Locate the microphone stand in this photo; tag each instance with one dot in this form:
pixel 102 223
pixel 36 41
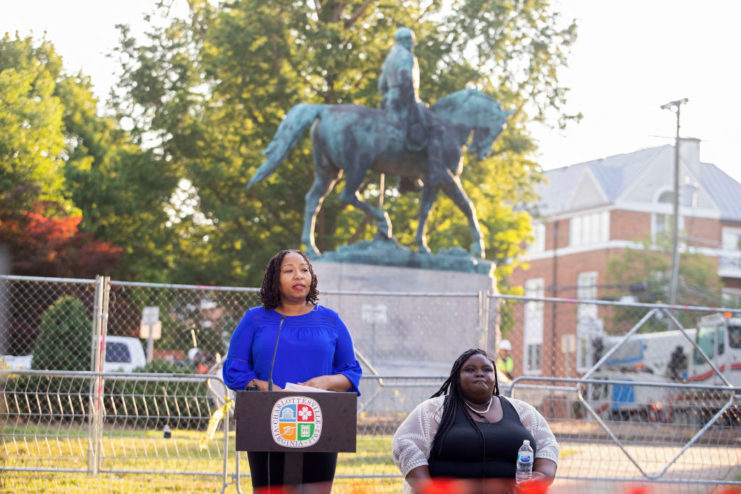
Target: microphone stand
pixel 275 351
pixel 270 385
pixel 293 463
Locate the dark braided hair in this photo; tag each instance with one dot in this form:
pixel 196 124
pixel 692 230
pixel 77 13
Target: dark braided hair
pixel 451 389
pixel 270 290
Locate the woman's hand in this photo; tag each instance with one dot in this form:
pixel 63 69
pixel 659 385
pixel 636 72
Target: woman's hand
pixel 540 476
pixel 544 470
pixel 334 382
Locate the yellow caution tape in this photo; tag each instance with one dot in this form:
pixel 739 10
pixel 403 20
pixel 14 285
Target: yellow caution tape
pixel 213 422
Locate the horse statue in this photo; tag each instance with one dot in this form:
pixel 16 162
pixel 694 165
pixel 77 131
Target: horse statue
pixel 355 139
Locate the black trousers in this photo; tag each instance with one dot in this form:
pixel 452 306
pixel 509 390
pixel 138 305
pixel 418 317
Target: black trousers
pixel 318 467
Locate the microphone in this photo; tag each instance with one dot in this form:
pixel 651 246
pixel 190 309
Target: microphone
pixel 275 350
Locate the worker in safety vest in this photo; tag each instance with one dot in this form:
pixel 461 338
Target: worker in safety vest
pixel 504 360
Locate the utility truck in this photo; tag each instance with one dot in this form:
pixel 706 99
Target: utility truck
pixel 719 337
pixel 669 358
pixel 659 357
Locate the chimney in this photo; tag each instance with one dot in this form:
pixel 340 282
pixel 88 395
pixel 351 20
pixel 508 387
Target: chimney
pixel 689 153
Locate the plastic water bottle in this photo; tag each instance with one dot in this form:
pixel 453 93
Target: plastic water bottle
pixel 524 462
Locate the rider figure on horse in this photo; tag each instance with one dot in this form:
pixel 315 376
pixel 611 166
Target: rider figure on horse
pixel 399 88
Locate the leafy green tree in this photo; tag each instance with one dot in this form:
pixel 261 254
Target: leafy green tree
pixel 31 141
pixel 209 91
pixel 64 342
pixel 122 189
pixel 56 149
pixel 646 274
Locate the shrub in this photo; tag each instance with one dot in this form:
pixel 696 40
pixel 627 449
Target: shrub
pixel 64 342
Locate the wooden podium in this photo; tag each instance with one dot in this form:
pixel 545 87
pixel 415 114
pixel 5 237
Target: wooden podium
pixel 295 423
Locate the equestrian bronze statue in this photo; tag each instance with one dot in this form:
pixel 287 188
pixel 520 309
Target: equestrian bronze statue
pixel 404 138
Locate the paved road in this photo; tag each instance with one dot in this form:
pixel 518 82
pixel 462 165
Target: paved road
pixel 705 462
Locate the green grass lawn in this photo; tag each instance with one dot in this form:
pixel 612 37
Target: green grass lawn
pixel 132 459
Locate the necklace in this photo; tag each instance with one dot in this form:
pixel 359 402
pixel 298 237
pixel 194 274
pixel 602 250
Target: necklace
pixel 480 413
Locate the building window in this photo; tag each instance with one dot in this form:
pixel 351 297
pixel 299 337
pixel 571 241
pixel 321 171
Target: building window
pixel 662 222
pixel 666 197
pixel 732 239
pixel 730 258
pixel 589 228
pixel 586 289
pixel 731 297
pixel 538 244
pixel 534 350
pixel 533 337
pixel 588 324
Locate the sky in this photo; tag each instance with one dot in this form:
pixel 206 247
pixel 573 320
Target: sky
pixel 631 57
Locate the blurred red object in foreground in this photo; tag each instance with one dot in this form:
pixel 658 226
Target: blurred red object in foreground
pixel 279 489
pixel 446 486
pixel 488 486
pixel 637 489
pixel 533 487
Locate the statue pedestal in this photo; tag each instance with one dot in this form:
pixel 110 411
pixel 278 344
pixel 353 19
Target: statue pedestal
pixel 407 321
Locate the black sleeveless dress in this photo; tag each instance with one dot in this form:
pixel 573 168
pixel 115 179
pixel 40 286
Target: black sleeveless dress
pixel 484 451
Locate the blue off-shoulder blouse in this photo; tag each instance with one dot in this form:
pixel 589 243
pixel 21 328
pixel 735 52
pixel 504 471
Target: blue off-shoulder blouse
pixel 314 344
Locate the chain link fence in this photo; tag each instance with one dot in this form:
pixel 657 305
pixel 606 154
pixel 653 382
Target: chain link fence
pixel 634 392
pixel 691 452
pixel 188 317
pixel 57 425
pixel 554 337
pixel 27 301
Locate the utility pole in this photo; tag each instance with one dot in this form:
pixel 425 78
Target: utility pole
pixel 675 106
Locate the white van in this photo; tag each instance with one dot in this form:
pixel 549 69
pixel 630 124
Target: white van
pixel 123 354
pixel 15 362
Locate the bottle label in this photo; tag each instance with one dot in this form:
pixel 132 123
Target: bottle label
pixel 524 458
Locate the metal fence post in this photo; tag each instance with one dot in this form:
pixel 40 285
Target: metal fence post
pixel 94 362
pixel 483 312
pixel 103 331
pixel 100 325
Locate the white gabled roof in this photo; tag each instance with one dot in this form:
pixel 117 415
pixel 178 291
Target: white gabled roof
pixel 615 175
pixel 726 192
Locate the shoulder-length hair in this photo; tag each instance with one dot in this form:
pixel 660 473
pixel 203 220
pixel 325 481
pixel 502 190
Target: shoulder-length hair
pixel 270 290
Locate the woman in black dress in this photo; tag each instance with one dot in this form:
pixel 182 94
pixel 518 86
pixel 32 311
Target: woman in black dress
pixel 467 431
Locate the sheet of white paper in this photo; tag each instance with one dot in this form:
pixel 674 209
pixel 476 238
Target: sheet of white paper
pixel 305 389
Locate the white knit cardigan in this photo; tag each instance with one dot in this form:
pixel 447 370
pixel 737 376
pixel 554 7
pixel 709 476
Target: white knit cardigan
pixel 413 439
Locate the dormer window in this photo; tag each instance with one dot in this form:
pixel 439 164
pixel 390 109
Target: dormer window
pixel 661 221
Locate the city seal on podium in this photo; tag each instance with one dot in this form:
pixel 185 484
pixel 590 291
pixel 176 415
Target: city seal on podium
pixel 296 422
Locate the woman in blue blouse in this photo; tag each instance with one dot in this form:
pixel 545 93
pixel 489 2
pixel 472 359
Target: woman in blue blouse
pixel 315 349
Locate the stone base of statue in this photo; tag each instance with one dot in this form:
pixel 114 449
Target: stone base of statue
pixel 410 313
pixel 380 252
pixel 408 320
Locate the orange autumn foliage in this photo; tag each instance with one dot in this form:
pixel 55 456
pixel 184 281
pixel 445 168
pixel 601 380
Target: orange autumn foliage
pixel 47 242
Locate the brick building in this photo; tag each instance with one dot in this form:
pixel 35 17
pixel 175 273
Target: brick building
pixel 594 210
